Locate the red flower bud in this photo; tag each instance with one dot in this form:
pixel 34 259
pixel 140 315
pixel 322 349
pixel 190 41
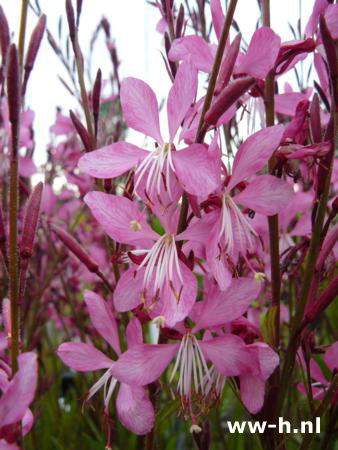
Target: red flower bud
pixel 4 36
pixel 75 248
pixel 315 124
pixel 227 98
pixel 31 221
pixel 81 131
pixel 33 49
pixel 13 92
pixel 329 295
pixel 96 99
pixel 78 11
pixel 71 21
pixel 228 64
pixel 328 244
pixel 179 22
pixel 331 55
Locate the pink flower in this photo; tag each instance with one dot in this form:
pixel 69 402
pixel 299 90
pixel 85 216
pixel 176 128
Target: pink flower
pixel 224 230
pixel 162 280
pixel 17 395
pixel 134 408
pixel 162 173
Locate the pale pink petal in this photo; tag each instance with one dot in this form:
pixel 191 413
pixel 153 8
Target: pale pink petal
pixel 4 445
pixel 199 230
pixel 255 152
pixel 316 372
pixel 266 194
pixel 331 356
pixel 21 390
pixel 27 422
pixel 318 8
pixel 331 17
pixel 111 161
pixel 102 318
pixel 120 217
pixel 143 364
pixel 27 168
pixel 127 294
pixel 287 103
pixel 134 409
pixel 197 171
pixel 140 108
pixel 197 48
pixel 217 17
pixel 268 360
pixel 252 389
pixel 134 332
pixel 229 355
pixel 261 55
pixel 181 96
pixel 223 307
pixel 83 357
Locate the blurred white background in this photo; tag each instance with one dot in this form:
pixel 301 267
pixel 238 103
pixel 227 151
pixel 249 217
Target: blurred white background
pixel 133 25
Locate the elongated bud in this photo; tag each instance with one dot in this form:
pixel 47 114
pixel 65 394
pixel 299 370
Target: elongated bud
pixel 3 239
pixel 6 316
pixel 75 248
pixel 4 36
pixel 331 55
pixel 33 48
pixel 179 22
pixel 30 222
pixel 228 64
pixel 81 131
pixel 330 240
pixel 13 92
pixel 315 119
pixel 227 98
pixel 167 46
pixel 325 299
pixel 325 166
pixel 106 27
pixel 71 21
pixel 78 11
pixel 96 99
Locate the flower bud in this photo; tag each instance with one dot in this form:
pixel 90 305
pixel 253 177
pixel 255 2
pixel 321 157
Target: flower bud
pixel 329 295
pixel 71 21
pixel 33 49
pixel 3 239
pixel 331 55
pixel 330 240
pixel 179 22
pixel 96 99
pixel 4 36
pixel 81 131
pixel 315 124
pixel 75 248
pixel 228 64
pixel 227 98
pixel 30 222
pixel 13 92
pixel 78 11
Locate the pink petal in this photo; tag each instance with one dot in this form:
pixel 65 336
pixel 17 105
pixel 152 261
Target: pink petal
pixel 127 294
pixel 181 96
pixel 217 17
pixel 318 8
pixel 21 390
pixel 331 17
pixel 134 409
pixel 197 48
pixel 83 357
pixel 143 364
pixel 229 355
pixel 252 389
pixel 140 108
pixel 27 168
pixel 261 55
pixel 199 230
pixel 111 161
pixel 197 171
pixel 134 333
pixel 27 422
pixel 4 445
pixel 331 356
pixel 117 216
pixel 102 318
pixel 268 360
pixel 287 103
pixel 223 307
pixel 266 194
pixel 255 152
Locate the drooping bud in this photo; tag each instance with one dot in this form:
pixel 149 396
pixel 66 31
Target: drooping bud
pixel 13 92
pixel 315 124
pixel 33 49
pixel 71 21
pixel 328 244
pixel 96 99
pixel 331 55
pixel 75 248
pixel 289 51
pixel 179 22
pixel 4 36
pixel 227 98
pixel 228 64
pixel 81 131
